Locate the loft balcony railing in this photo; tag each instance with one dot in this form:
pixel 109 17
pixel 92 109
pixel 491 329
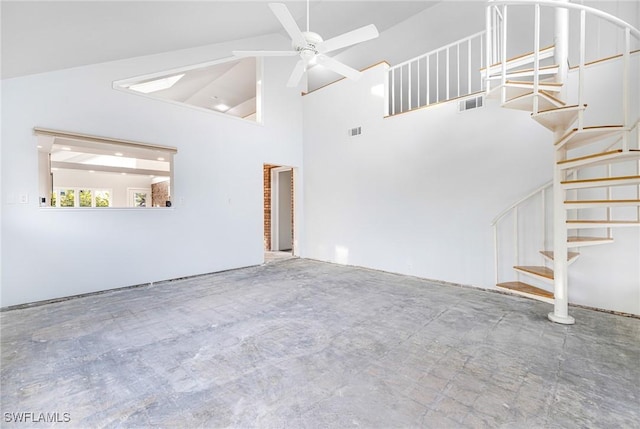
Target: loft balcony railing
pixel 449 72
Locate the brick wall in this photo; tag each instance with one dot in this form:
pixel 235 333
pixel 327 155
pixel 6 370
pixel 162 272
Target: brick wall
pixel 160 194
pixel 267 204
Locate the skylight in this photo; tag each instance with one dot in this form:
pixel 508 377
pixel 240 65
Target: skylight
pixel 156 85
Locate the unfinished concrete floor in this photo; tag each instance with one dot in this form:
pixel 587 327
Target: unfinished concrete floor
pixel 303 344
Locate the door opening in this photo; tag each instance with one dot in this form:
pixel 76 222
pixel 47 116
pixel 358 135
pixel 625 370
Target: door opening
pixel 278 209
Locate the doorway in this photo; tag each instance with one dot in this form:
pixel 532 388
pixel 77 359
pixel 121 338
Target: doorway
pixel 278 211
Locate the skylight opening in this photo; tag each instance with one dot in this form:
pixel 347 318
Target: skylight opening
pixel 157 84
pixel 227 86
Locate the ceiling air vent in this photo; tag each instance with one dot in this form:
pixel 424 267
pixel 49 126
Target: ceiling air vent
pixel 470 103
pixel 355 131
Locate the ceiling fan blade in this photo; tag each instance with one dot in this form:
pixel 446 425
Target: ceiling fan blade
pixel 338 67
pixel 286 19
pixel 242 54
pixel 297 73
pixel 358 35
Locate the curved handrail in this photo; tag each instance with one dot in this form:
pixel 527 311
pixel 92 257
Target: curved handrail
pixel 531 194
pixel 551 3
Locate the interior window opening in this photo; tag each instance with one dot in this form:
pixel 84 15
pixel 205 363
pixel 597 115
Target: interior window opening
pixel 230 86
pixel 78 171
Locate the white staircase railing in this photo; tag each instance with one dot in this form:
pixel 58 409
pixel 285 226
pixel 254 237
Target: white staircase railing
pixel 449 72
pixel 500 70
pixel 513 210
pixel 498 32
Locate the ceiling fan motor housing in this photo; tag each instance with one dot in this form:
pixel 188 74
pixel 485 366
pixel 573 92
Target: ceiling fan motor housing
pixel 309 50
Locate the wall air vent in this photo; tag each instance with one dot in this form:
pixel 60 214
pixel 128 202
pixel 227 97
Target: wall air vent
pixel 470 103
pixel 355 131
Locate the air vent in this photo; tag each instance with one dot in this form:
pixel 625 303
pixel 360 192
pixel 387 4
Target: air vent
pixel 355 131
pixel 470 103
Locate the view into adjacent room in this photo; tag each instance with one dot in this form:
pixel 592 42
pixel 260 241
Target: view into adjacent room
pixel 278 211
pixel 83 172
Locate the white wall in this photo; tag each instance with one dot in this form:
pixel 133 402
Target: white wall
pixel 216 221
pixel 416 193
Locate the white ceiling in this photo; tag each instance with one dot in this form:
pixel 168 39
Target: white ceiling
pixel 41 36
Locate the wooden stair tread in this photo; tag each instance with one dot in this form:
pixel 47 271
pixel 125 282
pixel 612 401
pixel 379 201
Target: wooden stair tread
pixel 581 241
pixel 545 52
pixel 558 118
pixel 606 203
pixel 525 101
pixel 536 270
pixel 549 255
pixel 578 137
pixel 601 158
pixel 542 86
pixel 558 109
pixel 546 70
pixel 530 83
pixel 576 223
pixel 526 289
pixel 600 182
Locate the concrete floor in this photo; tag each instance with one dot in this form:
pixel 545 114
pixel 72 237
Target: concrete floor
pixel 303 344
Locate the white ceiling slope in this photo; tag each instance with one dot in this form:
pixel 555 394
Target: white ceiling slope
pixel 42 36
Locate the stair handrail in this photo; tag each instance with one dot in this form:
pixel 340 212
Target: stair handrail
pixel 522 200
pixel 492 5
pixel 554 3
pixel 541 190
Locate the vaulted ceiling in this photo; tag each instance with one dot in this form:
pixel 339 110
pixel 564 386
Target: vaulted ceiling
pixel 41 36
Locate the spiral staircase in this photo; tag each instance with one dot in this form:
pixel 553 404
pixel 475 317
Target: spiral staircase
pixel 596 182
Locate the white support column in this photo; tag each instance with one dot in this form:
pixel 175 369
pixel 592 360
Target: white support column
pixel 543 208
pixel 393 91
pixel 503 56
pixel 536 59
pixel 447 71
pixel 496 254
pixel 625 88
pixel 560 312
pixel 488 55
pixel 428 83
pixel 561 42
pixel 583 24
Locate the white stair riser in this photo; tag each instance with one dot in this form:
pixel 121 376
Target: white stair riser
pixel 523 61
pixel 595 242
pixel 535 276
pixel 528 295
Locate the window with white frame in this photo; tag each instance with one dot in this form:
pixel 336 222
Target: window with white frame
pixel 81 197
pixel 83 171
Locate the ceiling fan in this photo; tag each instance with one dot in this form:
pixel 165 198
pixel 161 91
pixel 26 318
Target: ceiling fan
pixel 311 47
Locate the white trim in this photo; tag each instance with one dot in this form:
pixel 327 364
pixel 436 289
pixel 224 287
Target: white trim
pixel 275 199
pixel 104 140
pixel 275 206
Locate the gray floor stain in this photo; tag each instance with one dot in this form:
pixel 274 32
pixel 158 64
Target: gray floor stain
pixel 303 344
